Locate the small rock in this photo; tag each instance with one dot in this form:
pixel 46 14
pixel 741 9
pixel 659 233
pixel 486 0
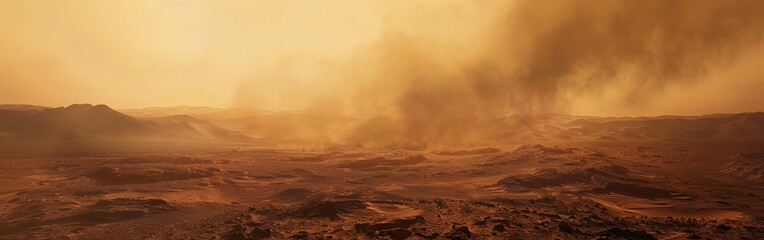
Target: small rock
pixel 396 234
pixel 461 232
pixel 362 227
pixel 239 228
pixel 481 222
pixel 440 203
pixel 500 220
pixel 300 235
pixel 616 232
pixel 499 228
pixel 566 228
pixel 423 233
pixel 260 233
pixel 235 234
pixel 722 227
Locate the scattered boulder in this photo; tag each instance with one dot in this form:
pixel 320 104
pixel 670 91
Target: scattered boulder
pixel 242 232
pixel 461 232
pixel 237 233
pixel 722 227
pixel 424 233
pixel 396 233
pixel 620 233
pixel 300 235
pixel 396 229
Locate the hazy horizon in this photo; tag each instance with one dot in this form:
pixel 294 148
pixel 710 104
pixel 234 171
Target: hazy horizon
pixel 299 110
pixel 390 58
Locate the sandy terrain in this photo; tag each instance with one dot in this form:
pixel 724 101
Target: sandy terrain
pixel 583 190
pixel 91 172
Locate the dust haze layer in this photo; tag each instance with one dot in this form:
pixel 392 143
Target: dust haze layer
pixel 528 57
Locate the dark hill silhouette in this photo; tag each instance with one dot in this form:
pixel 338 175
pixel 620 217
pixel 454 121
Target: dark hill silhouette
pixel 12 113
pixel 79 121
pixel 100 122
pixel 9 117
pixel 22 107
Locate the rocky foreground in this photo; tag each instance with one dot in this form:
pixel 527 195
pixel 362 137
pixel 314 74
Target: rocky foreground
pixel 545 218
pixel 583 191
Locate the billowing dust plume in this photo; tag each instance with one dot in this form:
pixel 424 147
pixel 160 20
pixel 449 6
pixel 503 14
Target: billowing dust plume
pixel 416 86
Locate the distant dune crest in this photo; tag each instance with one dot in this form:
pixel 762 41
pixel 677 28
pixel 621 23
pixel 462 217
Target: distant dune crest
pixel 747 165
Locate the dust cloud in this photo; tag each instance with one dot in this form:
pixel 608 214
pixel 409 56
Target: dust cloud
pixel 437 82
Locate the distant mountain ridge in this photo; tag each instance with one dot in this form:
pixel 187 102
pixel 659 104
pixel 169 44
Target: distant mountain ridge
pixel 22 107
pixel 98 122
pixel 77 121
pixel 741 126
pixel 95 122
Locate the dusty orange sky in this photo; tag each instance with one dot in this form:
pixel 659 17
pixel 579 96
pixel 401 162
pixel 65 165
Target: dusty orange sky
pixel 486 58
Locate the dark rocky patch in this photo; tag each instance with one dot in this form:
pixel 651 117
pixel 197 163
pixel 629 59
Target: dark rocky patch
pixel 396 233
pixel 458 232
pixel 566 228
pixel 119 209
pixel 115 176
pixel 381 162
pixel 293 194
pixel 499 228
pixel 476 151
pixel 633 190
pixel 328 209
